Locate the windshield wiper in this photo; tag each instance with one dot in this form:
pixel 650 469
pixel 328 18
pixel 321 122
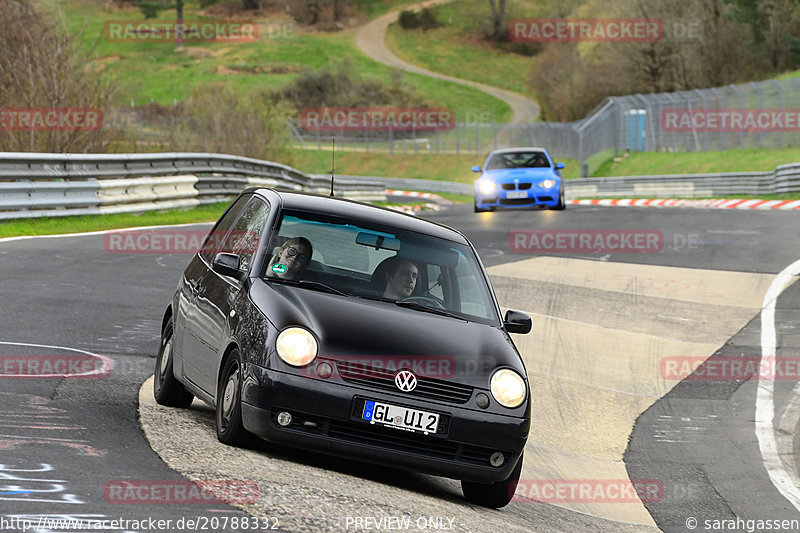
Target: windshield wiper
pixel 306 284
pixel 419 307
pixel 317 286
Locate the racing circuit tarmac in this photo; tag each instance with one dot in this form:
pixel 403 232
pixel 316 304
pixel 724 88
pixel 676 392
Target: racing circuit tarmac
pixel 608 407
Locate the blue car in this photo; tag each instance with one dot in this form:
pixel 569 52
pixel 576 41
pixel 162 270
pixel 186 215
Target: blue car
pixel 519 177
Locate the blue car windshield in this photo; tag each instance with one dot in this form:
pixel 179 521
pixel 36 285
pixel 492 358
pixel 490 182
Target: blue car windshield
pixel 364 260
pixel 517 160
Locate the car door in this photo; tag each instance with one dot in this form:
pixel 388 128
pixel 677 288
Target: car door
pixel 217 293
pixel 187 347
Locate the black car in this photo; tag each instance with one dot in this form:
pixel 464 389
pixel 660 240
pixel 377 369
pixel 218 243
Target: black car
pixel 352 330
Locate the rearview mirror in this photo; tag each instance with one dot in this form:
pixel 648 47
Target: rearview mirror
pixel 228 265
pixel 379 242
pixel 517 322
pixel 476 168
pixel 559 166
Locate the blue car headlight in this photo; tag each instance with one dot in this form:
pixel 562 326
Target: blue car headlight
pixel 546 184
pixel 487 187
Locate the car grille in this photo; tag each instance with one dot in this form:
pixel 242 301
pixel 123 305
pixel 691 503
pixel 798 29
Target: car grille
pixel 383 379
pixel 433 446
pixel 514 186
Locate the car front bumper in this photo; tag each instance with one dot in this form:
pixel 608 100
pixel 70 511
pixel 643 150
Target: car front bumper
pixel 534 197
pixel 326 418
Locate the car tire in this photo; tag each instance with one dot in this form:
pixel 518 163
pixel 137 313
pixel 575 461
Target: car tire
pixel 230 429
pixel 494 495
pixel 478 209
pixel 562 203
pixel 166 389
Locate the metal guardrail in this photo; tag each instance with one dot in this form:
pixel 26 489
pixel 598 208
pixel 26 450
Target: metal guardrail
pixel 783 180
pixel 39 185
pixel 411 184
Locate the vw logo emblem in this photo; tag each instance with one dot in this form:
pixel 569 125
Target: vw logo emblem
pixel 405 380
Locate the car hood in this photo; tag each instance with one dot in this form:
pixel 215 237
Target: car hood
pixel 510 174
pixel 379 333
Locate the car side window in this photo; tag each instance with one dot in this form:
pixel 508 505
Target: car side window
pixel 245 235
pixel 213 240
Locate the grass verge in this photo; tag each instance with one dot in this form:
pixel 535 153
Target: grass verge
pixel 432 166
pixel 148 72
pixel 86 223
pixel 655 163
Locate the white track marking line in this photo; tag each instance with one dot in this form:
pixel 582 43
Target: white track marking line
pixel 105 369
pixel 765 404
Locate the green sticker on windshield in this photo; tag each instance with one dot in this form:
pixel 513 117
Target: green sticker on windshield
pixel 279 268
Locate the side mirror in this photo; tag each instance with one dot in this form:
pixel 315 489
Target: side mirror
pixel 476 168
pixel 228 265
pixel 517 322
pixel 559 166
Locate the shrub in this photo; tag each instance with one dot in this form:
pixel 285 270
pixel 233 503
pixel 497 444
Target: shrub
pixel 425 20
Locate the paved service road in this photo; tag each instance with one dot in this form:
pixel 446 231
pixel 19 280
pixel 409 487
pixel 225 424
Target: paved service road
pixel 606 411
pixel 370 39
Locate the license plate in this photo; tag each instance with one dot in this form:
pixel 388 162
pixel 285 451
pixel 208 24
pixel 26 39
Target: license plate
pixel 517 194
pixel 400 417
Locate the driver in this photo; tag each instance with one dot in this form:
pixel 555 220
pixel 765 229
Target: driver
pixel 401 279
pixel 291 260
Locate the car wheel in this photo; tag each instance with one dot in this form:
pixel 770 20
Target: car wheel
pixel 562 203
pixel 166 389
pixel 478 209
pixel 494 495
pixel 230 429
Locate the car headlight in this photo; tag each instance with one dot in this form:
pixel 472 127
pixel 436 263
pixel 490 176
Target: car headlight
pixel 296 346
pixel 546 184
pixel 508 388
pixel 487 187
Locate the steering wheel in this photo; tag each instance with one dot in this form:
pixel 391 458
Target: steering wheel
pixel 429 301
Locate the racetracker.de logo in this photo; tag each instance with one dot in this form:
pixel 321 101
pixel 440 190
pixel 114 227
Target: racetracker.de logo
pixel 377 119
pixel 585 241
pixel 730 120
pixel 181 492
pixel 55 366
pixel 385 367
pixel 50 119
pixel 730 368
pixel 178 241
pixel 583 30
pixel 589 491
pixel 189 31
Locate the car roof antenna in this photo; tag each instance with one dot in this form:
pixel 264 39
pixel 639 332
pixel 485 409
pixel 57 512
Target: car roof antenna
pixel 333 162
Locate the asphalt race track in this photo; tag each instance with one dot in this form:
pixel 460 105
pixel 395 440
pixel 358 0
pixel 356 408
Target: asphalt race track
pixel 614 404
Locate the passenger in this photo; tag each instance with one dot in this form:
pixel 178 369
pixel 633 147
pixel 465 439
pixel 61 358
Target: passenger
pixel 401 279
pixel 291 260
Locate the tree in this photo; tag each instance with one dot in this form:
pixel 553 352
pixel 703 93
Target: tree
pixel 499 26
pixel 43 69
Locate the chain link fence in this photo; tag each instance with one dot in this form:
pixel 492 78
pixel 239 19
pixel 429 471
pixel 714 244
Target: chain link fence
pixel 753 115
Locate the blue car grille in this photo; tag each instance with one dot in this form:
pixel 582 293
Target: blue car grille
pixel 383 379
pixel 515 186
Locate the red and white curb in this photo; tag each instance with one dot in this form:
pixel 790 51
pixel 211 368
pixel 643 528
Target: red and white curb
pixel 435 204
pixel 721 203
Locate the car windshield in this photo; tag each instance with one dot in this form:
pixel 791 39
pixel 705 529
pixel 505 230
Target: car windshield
pixel 518 160
pixel 409 269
